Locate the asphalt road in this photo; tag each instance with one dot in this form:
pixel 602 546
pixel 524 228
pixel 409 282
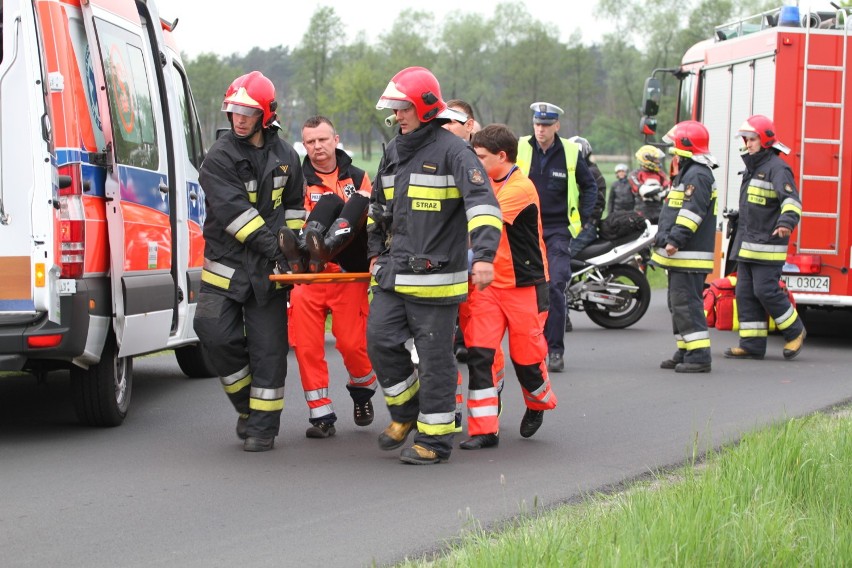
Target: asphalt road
pixel 172 486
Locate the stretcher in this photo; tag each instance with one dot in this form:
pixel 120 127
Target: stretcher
pixel 321 277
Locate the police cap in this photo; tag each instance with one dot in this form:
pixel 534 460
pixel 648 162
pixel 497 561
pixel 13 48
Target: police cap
pixel 545 113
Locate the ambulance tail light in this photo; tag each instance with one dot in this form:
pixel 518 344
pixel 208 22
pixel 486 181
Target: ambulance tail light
pixel 72 228
pixel 42 341
pixel 803 264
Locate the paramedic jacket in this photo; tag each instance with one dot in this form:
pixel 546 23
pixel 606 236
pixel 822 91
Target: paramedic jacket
pixel 768 200
pixel 431 195
pixel 250 193
pixel 688 221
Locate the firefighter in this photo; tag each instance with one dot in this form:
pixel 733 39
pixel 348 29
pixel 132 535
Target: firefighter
pixel 770 209
pixel 685 242
pixel 649 183
pixel 516 300
pixel 252 182
pixel 430 196
pixel 337 195
pixel 567 191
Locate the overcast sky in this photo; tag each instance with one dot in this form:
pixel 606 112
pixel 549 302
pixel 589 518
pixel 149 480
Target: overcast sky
pixel 235 27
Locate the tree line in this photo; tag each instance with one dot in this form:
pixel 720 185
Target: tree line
pixel 499 64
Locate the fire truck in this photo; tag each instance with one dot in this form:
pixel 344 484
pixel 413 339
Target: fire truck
pixel 100 207
pixel 793 70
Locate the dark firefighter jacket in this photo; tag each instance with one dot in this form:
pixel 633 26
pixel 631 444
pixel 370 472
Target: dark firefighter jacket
pixel 249 193
pixel 768 200
pixel 688 221
pixel 430 197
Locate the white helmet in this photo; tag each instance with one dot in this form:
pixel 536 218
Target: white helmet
pixel 652 190
pixel 621 168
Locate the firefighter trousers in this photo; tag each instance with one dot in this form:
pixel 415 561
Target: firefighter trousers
pixel 689 323
pixel 349 305
pixel 495 310
pixel 429 395
pixel 758 293
pixel 247 345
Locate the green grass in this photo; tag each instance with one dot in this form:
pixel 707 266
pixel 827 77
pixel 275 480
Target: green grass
pixel 657 278
pixel 781 497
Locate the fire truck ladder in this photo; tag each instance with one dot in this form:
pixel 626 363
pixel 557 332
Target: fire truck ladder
pixel 810 103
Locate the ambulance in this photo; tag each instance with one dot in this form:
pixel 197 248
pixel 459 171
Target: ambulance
pixel 100 207
pixel 792 68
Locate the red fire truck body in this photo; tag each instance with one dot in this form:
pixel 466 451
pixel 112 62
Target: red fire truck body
pixel 796 76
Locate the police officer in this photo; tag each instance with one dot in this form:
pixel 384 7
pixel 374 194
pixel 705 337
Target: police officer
pixel 253 183
pixel 685 242
pixel 556 171
pixel 769 211
pixel 430 198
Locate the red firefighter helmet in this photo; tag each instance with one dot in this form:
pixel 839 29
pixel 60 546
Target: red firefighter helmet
pixel 416 86
pixel 252 91
pixel 689 138
pixel 764 128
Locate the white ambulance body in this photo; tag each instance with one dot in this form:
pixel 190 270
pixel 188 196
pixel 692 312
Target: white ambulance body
pixel 100 206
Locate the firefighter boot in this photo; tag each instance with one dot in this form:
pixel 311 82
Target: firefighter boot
pixel 792 347
pixel 242 427
pixel 253 444
pixel 740 353
pixel 315 245
pixel 394 435
pixel 292 246
pixel 419 455
pixel 692 368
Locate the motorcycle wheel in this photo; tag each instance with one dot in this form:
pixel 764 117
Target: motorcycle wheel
pixel 636 305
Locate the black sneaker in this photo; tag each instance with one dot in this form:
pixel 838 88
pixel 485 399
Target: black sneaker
pixel 363 413
pixel 253 444
pixel 480 441
pixel 555 363
pixel 531 422
pixel 320 430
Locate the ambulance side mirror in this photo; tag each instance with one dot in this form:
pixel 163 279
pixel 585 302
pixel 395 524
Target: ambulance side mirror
pixel 651 98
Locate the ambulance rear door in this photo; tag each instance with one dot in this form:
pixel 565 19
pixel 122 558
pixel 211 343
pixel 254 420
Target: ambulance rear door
pixel 138 154
pixel 28 181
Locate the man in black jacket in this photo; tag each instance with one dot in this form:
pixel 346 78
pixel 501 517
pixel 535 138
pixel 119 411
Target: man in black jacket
pixel 253 183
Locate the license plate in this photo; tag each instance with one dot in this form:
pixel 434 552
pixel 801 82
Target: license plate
pixel 67 287
pixel 802 283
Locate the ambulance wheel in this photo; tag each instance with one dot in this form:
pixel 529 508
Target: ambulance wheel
pixel 634 305
pixel 194 361
pixel 102 392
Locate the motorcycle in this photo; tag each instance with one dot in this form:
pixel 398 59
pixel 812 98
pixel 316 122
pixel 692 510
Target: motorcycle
pixel 608 280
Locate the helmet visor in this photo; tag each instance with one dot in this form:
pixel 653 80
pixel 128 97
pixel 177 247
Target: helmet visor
pixel 240 109
pixel 454 114
pixel 393 104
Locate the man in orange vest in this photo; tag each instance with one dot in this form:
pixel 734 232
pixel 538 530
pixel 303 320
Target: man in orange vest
pixel 337 197
pixel 517 299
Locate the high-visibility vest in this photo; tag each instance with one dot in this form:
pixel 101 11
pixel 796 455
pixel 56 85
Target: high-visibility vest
pixel 572 151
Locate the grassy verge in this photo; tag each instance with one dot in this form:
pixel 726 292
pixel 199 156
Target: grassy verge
pixel 781 497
